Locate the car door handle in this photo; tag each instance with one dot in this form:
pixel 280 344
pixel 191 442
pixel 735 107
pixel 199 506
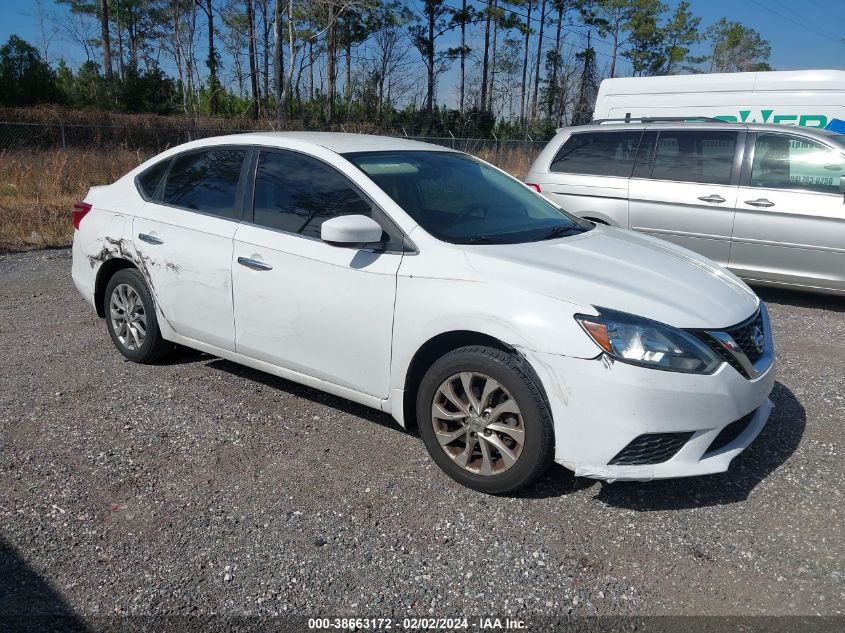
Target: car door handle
pixel 714 198
pixel 760 202
pixel 150 239
pixel 254 264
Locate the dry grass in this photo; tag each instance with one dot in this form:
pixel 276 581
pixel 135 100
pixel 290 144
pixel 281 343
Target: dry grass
pixel 514 161
pixel 38 188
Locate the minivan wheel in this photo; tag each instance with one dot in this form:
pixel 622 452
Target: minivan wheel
pixel 484 420
pixel 131 318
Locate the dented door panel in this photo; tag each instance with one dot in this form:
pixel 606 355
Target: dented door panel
pixel 320 310
pixel 186 258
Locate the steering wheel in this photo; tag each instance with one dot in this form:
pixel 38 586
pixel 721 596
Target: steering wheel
pixel 467 210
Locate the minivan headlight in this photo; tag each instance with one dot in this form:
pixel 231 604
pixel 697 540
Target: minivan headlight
pixel 632 339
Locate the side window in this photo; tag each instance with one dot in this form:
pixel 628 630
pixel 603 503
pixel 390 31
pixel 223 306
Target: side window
pixel 792 162
pixel 296 194
pixel 206 181
pixel 705 156
pixel 150 178
pixel 645 154
pixel 608 153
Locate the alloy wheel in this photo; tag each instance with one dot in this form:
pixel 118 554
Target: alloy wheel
pixel 128 318
pixel 478 423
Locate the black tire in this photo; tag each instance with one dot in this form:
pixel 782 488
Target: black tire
pixel 154 346
pixel 517 377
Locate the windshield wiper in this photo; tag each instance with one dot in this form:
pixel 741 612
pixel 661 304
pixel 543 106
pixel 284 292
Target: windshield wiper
pixel 482 239
pixel 559 231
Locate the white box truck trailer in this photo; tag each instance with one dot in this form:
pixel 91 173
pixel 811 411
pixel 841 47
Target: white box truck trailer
pixel 812 98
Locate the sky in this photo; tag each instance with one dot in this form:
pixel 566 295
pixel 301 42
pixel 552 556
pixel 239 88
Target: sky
pixel 803 34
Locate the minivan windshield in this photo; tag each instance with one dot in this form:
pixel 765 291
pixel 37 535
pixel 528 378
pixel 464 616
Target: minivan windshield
pixel 461 200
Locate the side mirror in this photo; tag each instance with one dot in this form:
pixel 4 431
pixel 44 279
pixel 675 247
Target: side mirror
pixel 349 230
pixel 842 184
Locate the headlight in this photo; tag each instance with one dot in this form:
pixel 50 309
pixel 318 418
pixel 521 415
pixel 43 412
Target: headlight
pixel 639 341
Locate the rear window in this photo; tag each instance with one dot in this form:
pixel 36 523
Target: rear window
pixel 150 178
pixel 608 153
pixel 705 156
pixel 206 181
pixel 792 162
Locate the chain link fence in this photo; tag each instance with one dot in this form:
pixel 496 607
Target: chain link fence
pixel 15 135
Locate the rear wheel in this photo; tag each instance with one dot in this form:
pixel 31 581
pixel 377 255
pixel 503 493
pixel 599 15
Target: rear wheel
pixel 484 420
pixel 131 318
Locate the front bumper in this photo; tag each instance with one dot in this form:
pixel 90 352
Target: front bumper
pixel 600 406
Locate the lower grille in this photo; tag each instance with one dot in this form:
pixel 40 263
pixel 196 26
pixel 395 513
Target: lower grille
pixel 651 448
pixel 730 433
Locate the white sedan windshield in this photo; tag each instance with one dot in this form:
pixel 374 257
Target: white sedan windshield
pixel 462 200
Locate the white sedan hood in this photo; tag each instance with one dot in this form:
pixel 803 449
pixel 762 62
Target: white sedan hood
pixel 623 271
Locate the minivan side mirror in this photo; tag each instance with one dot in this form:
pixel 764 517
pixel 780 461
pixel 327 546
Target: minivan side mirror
pixel 842 184
pixel 349 230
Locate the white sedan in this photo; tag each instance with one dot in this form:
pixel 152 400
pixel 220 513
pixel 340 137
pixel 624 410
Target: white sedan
pixel 429 284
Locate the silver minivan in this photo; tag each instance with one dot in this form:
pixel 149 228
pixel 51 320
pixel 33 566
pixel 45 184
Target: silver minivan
pixel 767 201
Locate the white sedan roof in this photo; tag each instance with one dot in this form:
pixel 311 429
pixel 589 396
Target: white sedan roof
pixel 342 143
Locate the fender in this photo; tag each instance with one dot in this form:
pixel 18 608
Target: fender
pixel 518 318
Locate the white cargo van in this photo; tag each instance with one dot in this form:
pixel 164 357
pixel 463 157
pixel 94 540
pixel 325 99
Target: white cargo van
pixel 811 98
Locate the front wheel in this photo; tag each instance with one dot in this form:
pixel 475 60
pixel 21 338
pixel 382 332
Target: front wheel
pixel 484 420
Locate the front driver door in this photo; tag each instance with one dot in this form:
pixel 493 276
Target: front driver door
pixel 790 216
pixel 300 303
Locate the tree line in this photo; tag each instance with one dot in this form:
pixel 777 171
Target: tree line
pixel 519 65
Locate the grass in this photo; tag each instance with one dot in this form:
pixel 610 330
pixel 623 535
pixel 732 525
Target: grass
pixel 38 188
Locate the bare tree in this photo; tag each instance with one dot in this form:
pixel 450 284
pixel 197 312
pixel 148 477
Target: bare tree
pixel 47 27
pixel 495 9
pixel 485 65
pixel 297 13
pixel 278 56
pixel 562 6
pixel 178 40
pixel 425 37
pixel 253 65
pixel 527 32
pixel 78 30
pixel 177 52
pixel 587 84
pixel 508 74
pixel 538 60
pixel 191 66
pixel 211 61
pixel 104 36
pixel 331 56
pixel 235 41
pixel 462 17
pixel 263 7
pixel 388 65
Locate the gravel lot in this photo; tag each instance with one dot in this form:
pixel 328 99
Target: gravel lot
pixel 202 487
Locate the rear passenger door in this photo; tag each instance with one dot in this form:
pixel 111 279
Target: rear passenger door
pixel 183 237
pixel 684 188
pixel 589 174
pixel 790 216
